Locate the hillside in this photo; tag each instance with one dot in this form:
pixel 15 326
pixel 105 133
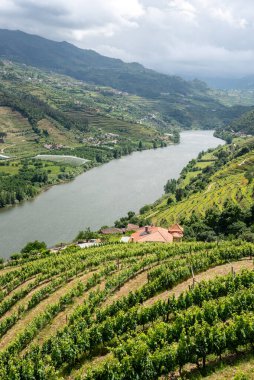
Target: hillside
pixel 243 125
pixel 43 113
pixel 50 114
pixel 208 183
pixel 127 311
pixel 47 114
pixel 172 100
pixel 244 83
pixel 87 65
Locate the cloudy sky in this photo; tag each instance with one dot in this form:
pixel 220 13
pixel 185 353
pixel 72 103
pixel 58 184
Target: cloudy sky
pixel 196 37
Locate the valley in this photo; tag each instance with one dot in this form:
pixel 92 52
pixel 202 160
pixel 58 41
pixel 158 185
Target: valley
pixel 81 299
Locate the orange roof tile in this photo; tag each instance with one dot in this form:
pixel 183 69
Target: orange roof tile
pixel 152 234
pixel 176 228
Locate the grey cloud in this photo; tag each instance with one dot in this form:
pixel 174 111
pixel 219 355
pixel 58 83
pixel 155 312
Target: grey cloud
pixel 199 37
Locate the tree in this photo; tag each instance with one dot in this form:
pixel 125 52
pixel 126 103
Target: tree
pixel 86 235
pixel 144 209
pixel 249 175
pixel 179 194
pixel 212 217
pixel 170 186
pixel 230 214
pixel 34 246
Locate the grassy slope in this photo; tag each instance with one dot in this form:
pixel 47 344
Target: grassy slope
pixel 229 183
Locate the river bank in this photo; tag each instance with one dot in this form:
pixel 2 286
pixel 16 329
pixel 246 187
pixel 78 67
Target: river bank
pixel 99 196
pixel 52 172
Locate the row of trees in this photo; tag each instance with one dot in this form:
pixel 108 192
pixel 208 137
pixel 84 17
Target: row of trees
pixel 21 186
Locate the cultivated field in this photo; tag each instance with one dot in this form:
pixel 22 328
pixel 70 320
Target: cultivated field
pixel 227 184
pixel 128 311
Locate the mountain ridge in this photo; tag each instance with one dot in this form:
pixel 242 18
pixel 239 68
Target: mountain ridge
pixel 71 60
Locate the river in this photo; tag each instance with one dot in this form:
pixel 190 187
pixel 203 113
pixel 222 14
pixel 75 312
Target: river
pixel 99 196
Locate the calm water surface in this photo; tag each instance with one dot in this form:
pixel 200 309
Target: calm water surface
pixel 100 196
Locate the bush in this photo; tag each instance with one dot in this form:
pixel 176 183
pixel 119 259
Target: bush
pixel 34 246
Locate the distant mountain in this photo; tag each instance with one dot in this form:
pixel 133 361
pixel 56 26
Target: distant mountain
pixel 245 83
pixel 87 65
pixel 174 101
pixel 244 124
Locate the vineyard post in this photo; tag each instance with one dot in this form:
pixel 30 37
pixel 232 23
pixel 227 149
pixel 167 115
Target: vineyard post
pixel 193 277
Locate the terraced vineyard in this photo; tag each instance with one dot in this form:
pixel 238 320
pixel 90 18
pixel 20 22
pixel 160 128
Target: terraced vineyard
pixel 125 311
pixel 228 183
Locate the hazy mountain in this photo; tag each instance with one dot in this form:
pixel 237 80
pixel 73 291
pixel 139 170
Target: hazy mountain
pixel 245 83
pixel 90 66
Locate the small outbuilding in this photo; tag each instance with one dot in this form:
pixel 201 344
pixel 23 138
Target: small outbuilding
pixel 111 231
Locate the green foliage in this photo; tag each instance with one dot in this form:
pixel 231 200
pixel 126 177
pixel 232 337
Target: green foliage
pixel 243 125
pixel 144 209
pixel 170 186
pixel 169 102
pixel 130 218
pixel 215 179
pixel 34 246
pixel 86 235
pixel 145 341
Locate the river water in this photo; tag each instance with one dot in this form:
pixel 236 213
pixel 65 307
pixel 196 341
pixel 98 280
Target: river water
pixel 99 196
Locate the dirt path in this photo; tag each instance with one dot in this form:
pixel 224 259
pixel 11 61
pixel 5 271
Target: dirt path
pixel 62 318
pixel 40 308
pixel 210 274
pixel 20 287
pixel 81 371
pixel 133 284
pixel 23 301
pixel 8 269
pixel 243 162
pixel 9 146
pixel 130 286
pixel 209 188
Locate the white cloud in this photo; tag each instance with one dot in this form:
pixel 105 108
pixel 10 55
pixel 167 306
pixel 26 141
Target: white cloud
pixel 187 9
pixel 176 36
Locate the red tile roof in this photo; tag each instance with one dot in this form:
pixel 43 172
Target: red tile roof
pixel 176 228
pixel 152 234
